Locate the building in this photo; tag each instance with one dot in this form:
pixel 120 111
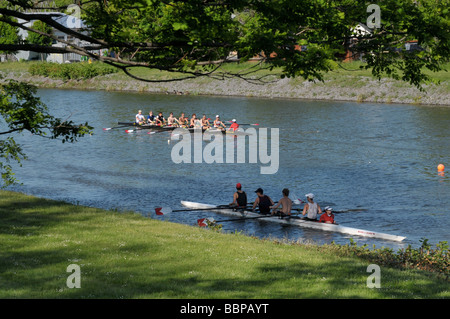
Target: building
pixel 68 21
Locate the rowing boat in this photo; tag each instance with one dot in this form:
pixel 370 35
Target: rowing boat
pixel 148 126
pixel 191 129
pixel 294 220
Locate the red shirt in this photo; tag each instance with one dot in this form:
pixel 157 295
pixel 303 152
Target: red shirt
pixel 234 126
pixel 325 218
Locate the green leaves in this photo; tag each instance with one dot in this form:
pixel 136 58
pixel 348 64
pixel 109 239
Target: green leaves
pixel 169 35
pixel 22 111
pixel 36 38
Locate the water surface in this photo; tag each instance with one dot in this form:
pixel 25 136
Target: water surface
pixel 376 160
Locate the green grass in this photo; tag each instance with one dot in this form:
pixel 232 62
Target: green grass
pixel 126 255
pixel 351 69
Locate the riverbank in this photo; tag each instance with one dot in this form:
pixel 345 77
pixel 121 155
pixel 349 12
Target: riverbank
pixel 339 85
pixel 126 255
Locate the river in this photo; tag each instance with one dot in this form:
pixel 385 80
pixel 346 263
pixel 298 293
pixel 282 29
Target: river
pixel 375 162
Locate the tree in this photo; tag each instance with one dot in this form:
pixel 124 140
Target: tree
pixel 8 35
pixel 194 37
pixel 39 38
pixel 22 111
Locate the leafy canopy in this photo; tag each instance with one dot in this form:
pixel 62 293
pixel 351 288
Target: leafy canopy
pixel 196 37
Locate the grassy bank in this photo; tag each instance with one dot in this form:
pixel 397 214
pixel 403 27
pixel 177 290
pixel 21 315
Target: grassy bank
pixel 125 255
pixel 345 83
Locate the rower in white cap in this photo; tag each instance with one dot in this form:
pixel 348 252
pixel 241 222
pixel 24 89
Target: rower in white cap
pixel 311 208
pixel 218 123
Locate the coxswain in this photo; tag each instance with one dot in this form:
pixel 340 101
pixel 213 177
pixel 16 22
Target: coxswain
pixel 234 125
pixel 239 197
pixel 140 119
pixel 285 203
pixel 263 202
pixel 311 208
pixel 328 216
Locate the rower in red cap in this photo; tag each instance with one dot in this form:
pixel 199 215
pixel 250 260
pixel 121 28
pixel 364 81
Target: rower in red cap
pixel 239 197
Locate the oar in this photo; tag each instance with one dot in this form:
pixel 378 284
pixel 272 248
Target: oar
pixel 111 128
pixel 151 132
pixel 243 124
pixel 296 199
pixel 167 210
pixel 201 221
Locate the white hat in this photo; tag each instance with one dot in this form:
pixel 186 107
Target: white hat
pixel 328 208
pixel 217 115
pixel 233 120
pixel 310 195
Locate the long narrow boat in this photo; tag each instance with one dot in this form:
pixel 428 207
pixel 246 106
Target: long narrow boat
pixel 148 126
pixel 296 221
pixel 191 130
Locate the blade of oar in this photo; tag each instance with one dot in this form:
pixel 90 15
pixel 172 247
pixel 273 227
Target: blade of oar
pixel 163 210
pixel 112 128
pixel 296 199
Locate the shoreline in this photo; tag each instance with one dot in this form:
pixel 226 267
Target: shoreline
pixel 344 88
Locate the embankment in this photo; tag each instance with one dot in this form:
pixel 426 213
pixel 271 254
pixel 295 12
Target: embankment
pixel 336 87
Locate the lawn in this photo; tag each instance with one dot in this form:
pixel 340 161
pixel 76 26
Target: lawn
pixel 126 255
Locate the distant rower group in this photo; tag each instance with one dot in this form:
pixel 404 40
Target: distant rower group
pixel 284 206
pixel 183 121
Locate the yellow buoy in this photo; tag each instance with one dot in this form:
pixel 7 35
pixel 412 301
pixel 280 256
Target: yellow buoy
pixel 440 167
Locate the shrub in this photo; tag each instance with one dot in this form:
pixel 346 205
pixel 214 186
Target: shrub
pixel 72 71
pixel 425 258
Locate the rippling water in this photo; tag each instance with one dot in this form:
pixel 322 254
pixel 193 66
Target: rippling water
pixel 376 160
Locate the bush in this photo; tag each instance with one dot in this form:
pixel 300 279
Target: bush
pixel 425 258
pixel 72 71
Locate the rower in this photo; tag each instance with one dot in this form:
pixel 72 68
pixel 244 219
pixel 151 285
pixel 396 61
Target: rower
pixel 234 126
pixel 218 124
pixel 285 203
pixel 328 216
pixel 263 201
pixel 183 120
pixel 160 119
pixel 311 208
pixel 205 122
pixel 171 120
pixel 140 119
pixel 151 118
pixel 239 197
pixel 193 120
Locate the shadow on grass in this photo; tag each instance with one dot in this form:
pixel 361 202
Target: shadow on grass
pixel 40 238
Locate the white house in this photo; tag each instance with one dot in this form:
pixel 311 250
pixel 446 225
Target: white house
pixel 68 21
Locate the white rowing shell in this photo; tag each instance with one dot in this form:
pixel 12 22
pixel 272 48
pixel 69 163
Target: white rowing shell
pixel 298 222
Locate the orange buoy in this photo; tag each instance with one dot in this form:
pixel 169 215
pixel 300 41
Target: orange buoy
pixel 440 167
